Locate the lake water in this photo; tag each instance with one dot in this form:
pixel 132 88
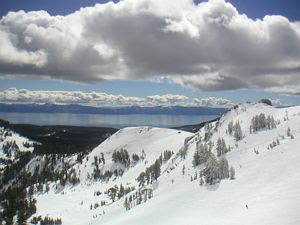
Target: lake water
pixel 99 120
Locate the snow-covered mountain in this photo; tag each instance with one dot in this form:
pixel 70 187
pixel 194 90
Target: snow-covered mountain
pixel 241 169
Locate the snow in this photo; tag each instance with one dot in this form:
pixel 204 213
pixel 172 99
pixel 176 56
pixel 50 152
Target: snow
pixel 13 137
pixel 268 182
pixel 153 141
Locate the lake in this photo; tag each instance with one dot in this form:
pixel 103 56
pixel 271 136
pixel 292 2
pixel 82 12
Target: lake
pixel 104 120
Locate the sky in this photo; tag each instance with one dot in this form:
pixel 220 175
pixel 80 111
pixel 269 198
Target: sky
pixel 150 52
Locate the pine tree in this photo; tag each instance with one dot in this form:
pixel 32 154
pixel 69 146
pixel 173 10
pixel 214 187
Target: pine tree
pixel 238 135
pixel 201 181
pixel 183 169
pixel 196 158
pixel 22 216
pixel 211 170
pixel 126 204
pixel 232 173
pixel 223 168
pixel 207 130
pixel 112 193
pixel 260 122
pixel 288 132
pixel 230 127
pixel 141 179
pixel 203 153
pixel 31 190
pixel 195 175
pixel 221 147
pixel 102 158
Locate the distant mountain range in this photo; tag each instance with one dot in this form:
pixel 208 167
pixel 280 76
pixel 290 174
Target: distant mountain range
pixel 80 109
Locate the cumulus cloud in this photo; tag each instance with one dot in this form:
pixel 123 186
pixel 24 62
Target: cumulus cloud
pixel 213 102
pixel 209 46
pixel 13 95
pixel 167 99
pixel 287 90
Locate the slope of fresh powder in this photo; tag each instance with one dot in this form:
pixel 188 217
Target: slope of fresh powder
pixel 74 202
pixel 267 182
pixel 151 141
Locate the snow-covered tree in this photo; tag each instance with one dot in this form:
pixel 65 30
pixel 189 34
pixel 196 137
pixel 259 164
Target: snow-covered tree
pixel 238 134
pixel 208 131
pixel 288 132
pixel 126 204
pixel 202 154
pixel 260 122
pixel 221 147
pixel 201 181
pixel 184 149
pixel 232 173
pixel 223 168
pixel 121 156
pixel 212 170
pixel 230 127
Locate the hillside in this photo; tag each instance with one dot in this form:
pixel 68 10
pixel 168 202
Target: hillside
pixel 241 169
pixel 60 139
pixel 12 146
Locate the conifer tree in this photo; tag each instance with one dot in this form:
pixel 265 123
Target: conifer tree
pixel 211 170
pixel 232 173
pixel 288 132
pixel 230 127
pixel 223 168
pixel 238 135
pixel 201 181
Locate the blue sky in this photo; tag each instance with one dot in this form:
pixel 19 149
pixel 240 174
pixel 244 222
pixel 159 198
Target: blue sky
pixel 131 87
pixel 253 8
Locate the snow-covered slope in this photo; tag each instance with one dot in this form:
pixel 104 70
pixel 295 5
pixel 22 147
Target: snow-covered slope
pixel 11 144
pixel 143 141
pixel 136 140
pixel 266 190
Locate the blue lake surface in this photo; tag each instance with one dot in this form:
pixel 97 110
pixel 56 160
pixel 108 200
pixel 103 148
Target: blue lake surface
pixel 104 120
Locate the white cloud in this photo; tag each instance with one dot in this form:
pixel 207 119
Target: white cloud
pixel 13 95
pixel 167 99
pixel 288 89
pixel 213 102
pixel 209 46
pixel 10 54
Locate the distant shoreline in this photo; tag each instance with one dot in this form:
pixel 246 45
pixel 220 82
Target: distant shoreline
pixel 105 120
pixel 127 110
